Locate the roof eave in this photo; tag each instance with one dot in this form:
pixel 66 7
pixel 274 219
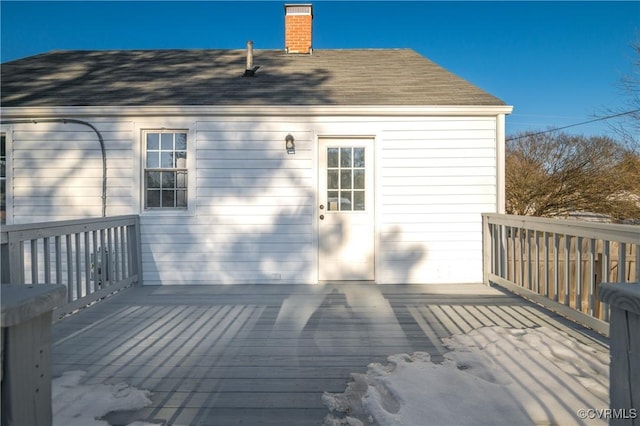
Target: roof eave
pixel 9 113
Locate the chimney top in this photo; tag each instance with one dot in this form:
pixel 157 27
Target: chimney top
pixel 297 28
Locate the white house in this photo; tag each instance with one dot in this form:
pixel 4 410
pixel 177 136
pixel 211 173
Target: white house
pixel 277 166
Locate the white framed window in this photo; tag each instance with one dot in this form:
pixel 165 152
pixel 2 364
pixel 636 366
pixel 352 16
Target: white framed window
pixel 166 174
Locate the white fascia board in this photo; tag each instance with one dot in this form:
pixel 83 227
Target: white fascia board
pixel 253 111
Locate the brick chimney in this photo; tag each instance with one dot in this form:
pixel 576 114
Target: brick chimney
pixel 297 28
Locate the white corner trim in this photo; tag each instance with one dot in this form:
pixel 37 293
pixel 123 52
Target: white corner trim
pixel 500 166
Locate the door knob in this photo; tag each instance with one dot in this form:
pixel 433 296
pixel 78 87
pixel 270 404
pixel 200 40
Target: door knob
pixel 321 206
pixel 321 217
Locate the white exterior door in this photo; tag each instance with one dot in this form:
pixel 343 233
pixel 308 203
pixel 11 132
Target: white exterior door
pixel 346 209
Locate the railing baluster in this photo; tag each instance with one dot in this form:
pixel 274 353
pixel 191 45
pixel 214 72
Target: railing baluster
pixel 87 263
pixel 556 266
pixel 123 253
pixel 96 278
pixel 109 266
pixel 34 261
pixel 58 250
pixel 47 260
pixel 622 263
pixel 103 259
pixel 578 275
pixel 567 266
pixel 521 263
pixel 70 286
pixel 545 262
pixel 592 277
pixel 536 257
pixel 636 278
pixel 116 254
pixel 78 267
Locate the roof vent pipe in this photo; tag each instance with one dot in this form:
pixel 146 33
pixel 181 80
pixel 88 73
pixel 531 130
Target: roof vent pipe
pixel 250 71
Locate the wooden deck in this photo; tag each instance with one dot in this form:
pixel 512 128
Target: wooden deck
pixel 264 354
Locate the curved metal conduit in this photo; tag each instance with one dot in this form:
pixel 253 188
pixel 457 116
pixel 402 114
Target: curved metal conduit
pixel 84 123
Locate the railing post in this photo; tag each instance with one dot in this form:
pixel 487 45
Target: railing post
pixel 486 249
pixel 16 259
pixel 26 352
pixel 135 255
pixel 624 332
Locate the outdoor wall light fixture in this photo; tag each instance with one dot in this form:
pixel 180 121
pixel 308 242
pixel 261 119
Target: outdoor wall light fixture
pixel 290 144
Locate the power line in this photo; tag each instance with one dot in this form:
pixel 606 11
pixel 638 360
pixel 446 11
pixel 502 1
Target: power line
pixel 573 125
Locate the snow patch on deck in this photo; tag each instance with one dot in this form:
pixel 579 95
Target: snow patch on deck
pixel 76 404
pixel 492 375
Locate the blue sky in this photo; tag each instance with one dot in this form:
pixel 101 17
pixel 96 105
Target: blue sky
pixel 557 63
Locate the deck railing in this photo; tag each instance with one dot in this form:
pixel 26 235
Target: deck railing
pixel 91 257
pixel 560 263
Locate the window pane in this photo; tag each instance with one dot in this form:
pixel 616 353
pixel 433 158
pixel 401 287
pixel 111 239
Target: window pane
pixel 345 200
pixel 358 157
pixel 345 179
pixel 181 142
pixel 181 159
pixel 153 160
pixel 168 199
pixel 153 179
pixel 345 157
pixel 166 160
pixel 181 198
pixel 168 180
pixel 153 141
pixel 153 198
pixel 358 200
pixel 332 200
pixel 358 179
pixel 332 157
pixel 167 141
pixel 332 179
pixel 181 180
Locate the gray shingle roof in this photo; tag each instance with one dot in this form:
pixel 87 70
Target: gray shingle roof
pixel 214 77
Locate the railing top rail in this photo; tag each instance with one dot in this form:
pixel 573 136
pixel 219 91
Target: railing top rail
pixel 603 231
pixel 49 229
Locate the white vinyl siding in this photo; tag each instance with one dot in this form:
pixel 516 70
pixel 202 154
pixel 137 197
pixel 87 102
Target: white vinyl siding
pixel 437 177
pixel 253 211
pixel 57 171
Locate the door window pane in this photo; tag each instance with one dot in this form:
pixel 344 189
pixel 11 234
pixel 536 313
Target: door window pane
pixel 358 200
pixel 345 179
pixel 345 157
pixel 345 200
pixel 332 200
pixel 358 179
pixel 332 179
pixel 358 157
pixel 332 157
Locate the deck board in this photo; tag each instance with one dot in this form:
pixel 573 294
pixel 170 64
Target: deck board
pixel 252 354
